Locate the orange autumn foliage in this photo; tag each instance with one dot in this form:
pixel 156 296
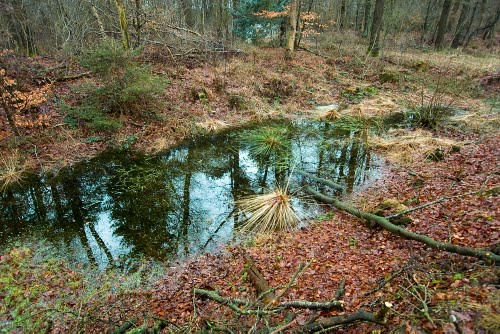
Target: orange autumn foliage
pixel 19 103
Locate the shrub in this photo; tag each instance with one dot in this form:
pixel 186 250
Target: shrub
pixel 431 110
pixel 126 87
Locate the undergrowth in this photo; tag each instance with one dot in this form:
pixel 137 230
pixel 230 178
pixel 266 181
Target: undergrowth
pixel 126 87
pixel 40 289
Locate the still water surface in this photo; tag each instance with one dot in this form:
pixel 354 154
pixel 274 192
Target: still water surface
pixel 123 205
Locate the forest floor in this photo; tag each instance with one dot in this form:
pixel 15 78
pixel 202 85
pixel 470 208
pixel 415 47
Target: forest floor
pixel 438 293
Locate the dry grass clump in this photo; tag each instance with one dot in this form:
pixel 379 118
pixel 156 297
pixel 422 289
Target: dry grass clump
pixel 159 145
pixel 491 323
pixel 403 145
pixel 276 88
pixel 212 125
pixel 480 121
pixel 378 106
pixel 11 170
pixel 329 112
pixel 271 212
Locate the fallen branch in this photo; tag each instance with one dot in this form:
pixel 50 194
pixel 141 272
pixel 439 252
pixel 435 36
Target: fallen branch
pixel 125 327
pixel 72 77
pixel 442 199
pixel 326 182
pixel 326 306
pixel 387 225
pixel 360 315
pixel 291 283
pixel 259 281
pixel 233 303
pixel 236 304
pixel 393 276
pixel 246 307
pixel 313 52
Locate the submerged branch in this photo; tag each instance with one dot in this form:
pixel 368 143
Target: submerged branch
pixel 325 182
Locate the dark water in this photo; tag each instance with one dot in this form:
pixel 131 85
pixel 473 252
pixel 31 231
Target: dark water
pixel 120 205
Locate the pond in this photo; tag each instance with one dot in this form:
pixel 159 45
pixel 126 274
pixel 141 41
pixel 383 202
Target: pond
pixel 122 205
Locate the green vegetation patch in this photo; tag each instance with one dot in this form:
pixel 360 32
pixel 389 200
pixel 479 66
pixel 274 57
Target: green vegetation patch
pixel 125 87
pixel 38 289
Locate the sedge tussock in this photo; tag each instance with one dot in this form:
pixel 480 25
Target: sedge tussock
pixel 11 170
pixel 379 106
pixel 265 142
pixel 403 144
pixel 271 212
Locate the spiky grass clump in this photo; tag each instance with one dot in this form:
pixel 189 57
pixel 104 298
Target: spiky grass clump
pixel 11 171
pixel 271 212
pixel 266 142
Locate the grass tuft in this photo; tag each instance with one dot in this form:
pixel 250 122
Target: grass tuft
pixel 11 171
pixel 266 142
pixel 271 212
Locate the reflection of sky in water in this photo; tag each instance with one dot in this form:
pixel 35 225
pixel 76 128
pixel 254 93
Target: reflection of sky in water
pixel 120 206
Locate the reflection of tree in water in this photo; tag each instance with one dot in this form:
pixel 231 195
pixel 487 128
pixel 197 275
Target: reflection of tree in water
pixel 57 208
pixel 202 174
pixel 141 195
pixel 174 204
pixel 341 154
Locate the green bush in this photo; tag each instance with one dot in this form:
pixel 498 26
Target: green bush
pixel 125 87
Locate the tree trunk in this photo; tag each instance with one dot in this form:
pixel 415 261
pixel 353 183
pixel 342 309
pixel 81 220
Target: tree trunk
pixel 467 31
pixel 95 13
pixel 366 17
pixel 342 15
pixel 452 20
pixel 137 22
pixel 123 24
pixel 292 29
pixel 376 29
pixel 187 9
pixel 462 20
pixel 430 4
pixel 298 26
pixel 443 23
pixel 490 31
